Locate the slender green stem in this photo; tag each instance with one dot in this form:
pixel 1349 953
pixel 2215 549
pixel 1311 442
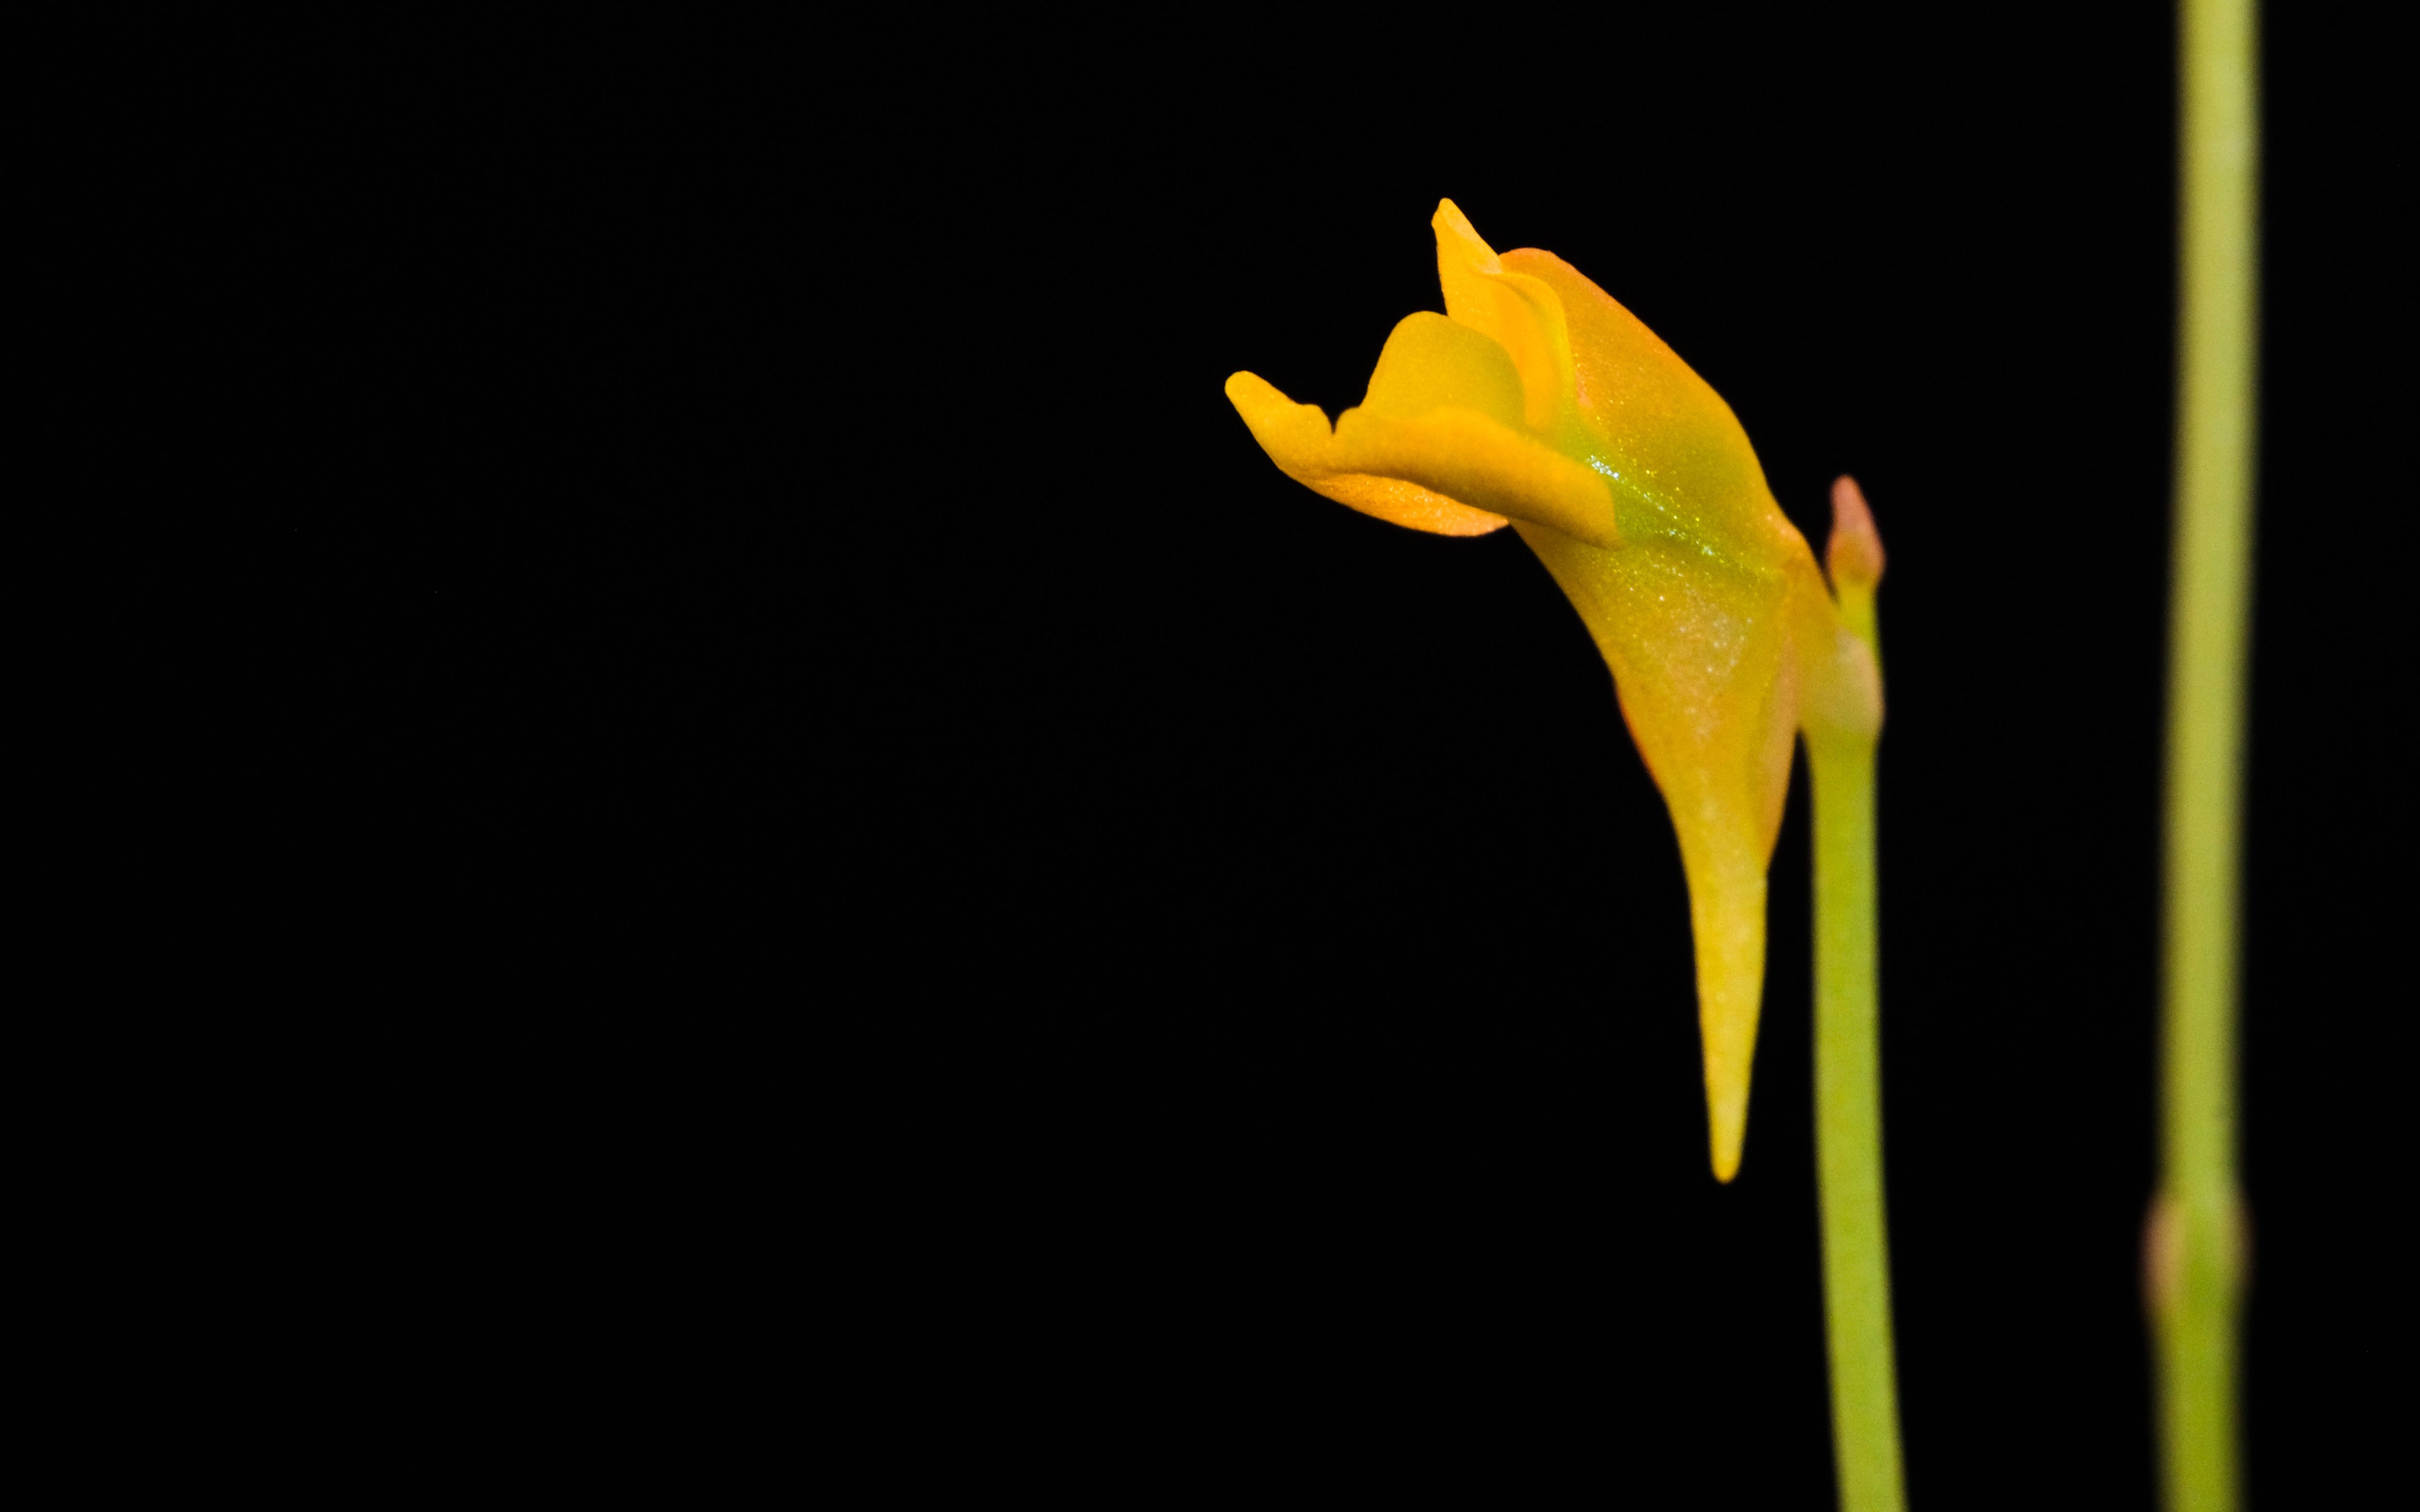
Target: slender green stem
pixel 2193 1260
pixel 1847 1130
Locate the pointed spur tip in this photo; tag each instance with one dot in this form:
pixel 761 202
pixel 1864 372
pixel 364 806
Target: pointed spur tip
pixel 1729 1132
pixel 1726 1126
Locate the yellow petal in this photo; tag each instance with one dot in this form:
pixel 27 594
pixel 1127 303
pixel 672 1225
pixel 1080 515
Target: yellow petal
pixel 1438 444
pixel 1468 456
pixel 1517 311
pixel 1299 441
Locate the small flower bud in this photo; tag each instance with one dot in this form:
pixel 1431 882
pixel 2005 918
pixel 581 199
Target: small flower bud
pixel 1855 556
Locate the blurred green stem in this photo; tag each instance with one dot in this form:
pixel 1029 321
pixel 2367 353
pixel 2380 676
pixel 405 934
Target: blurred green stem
pixel 2192 1256
pixel 1847 1113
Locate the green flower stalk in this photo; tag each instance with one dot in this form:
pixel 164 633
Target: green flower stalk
pixel 1848 1053
pixel 2193 1247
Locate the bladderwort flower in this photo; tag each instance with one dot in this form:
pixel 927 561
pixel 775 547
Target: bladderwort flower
pixel 1538 402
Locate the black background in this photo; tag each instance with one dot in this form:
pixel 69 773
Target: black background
pixel 1279 955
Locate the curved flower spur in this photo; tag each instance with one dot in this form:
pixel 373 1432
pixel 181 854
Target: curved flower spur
pixel 1537 401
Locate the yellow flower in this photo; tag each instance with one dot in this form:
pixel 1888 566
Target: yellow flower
pixel 1536 400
